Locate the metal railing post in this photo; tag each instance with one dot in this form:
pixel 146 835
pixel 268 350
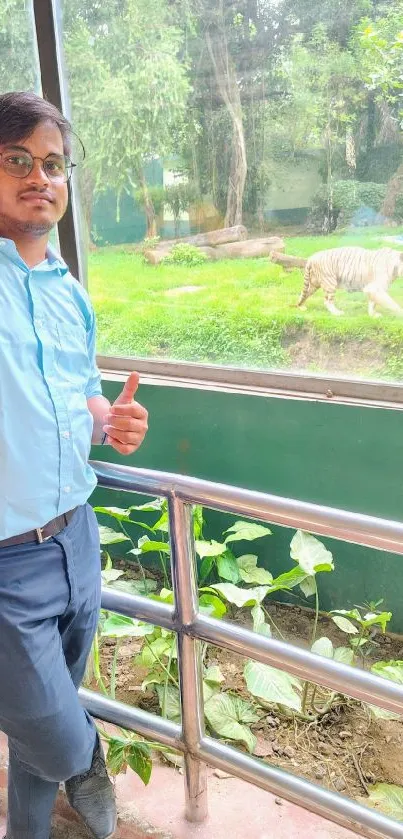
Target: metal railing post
pixel 184 576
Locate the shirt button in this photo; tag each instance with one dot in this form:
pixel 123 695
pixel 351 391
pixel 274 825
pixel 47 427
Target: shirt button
pixel 67 489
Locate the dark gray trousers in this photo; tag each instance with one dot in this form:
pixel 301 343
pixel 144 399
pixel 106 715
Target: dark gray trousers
pixel 49 607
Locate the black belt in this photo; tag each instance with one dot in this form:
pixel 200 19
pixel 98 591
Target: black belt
pixel 40 534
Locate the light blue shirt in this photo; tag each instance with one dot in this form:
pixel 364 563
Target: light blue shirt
pixel 47 373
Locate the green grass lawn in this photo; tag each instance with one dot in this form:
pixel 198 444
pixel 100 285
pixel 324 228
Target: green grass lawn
pixel 243 313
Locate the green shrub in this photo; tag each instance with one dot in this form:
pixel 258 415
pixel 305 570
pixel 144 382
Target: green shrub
pixel 399 209
pixel 352 203
pixel 183 254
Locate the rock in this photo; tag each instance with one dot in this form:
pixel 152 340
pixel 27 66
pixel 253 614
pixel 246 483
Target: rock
pixel 277 749
pixel 288 751
pixel 278 801
pixel 263 747
pixel 219 773
pixel 273 721
pixel 340 784
pixel 320 773
pixel 344 735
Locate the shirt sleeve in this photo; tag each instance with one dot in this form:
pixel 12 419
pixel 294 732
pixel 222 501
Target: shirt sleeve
pixel 94 387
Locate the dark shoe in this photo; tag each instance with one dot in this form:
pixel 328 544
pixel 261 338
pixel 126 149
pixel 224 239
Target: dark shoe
pixel 92 796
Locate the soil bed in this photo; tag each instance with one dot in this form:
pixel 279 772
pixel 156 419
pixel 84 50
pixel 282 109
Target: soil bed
pixel 346 750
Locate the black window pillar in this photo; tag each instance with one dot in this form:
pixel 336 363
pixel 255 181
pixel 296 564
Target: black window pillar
pixel 47 15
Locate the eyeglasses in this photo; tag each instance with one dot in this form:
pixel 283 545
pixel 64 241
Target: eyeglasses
pixel 19 164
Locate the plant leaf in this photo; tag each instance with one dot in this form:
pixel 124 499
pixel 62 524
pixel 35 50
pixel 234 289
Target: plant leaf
pixel 227 567
pixel 115 513
pixel 389 799
pixel 382 619
pixel 172 705
pixel 139 760
pixel 241 596
pixel 156 650
pixel 344 655
pixel 308 586
pixel 392 670
pixel 229 717
pixel 206 567
pixel 324 647
pixel 210 604
pixel 212 548
pixel 290 579
pixel 136 586
pixel 116 759
pixel 310 553
pixel 250 573
pixel 259 623
pixel 107 536
pixel 244 530
pixel 150 506
pixel 213 674
pixel 345 625
pixel 147 546
pixel 110 575
pixel 118 626
pixel 272 685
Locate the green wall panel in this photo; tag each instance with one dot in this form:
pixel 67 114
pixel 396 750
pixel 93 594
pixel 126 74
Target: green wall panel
pixel 340 455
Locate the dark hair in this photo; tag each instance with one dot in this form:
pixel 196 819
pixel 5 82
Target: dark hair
pixel 20 113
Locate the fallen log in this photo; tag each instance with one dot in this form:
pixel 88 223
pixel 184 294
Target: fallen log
pixel 215 237
pixel 288 261
pixel 251 248
pixel 154 257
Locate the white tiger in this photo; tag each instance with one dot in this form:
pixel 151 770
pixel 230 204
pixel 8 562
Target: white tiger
pixel 355 269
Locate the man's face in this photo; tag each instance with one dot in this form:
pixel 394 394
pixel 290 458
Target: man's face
pixel 34 204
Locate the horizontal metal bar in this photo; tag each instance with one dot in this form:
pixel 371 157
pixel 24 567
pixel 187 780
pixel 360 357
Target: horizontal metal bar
pixel 329 805
pixel 357 528
pixel 141 608
pixel 134 719
pixel 352 681
pixel 304 385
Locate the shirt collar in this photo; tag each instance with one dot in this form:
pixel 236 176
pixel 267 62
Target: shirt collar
pixel 52 262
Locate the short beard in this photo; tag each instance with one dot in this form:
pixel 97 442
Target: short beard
pixel 36 230
pixel 8 227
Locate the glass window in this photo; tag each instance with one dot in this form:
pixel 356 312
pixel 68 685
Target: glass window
pixel 18 58
pixel 243 158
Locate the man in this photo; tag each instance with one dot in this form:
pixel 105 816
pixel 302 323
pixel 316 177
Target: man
pixel 51 407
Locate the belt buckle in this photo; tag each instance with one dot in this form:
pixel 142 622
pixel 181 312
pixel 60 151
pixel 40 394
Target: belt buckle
pixel 39 535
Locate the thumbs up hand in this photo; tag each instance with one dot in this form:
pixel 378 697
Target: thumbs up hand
pixel 126 421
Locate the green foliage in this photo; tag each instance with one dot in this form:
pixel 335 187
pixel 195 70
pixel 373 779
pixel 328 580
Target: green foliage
pixel 184 254
pixel 389 799
pixel 399 209
pixel 227 715
pixel 353 203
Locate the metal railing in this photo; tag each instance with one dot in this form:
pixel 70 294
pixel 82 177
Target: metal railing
pixel 192 627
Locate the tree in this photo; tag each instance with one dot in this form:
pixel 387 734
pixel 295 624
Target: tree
pixel 379 45
pixel 18 63
pixel 129 90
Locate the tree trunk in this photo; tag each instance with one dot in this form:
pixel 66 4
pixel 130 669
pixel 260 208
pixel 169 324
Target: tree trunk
pixel 148 206
pixel 393 189
pixel 228 89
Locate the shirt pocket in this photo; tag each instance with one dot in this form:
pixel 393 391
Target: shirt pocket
pixel 71 352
